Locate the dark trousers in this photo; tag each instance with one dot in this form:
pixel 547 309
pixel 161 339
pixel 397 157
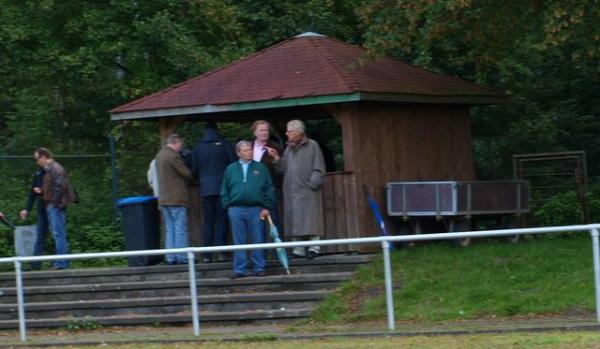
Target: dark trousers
pixel 41 232
pixel 215 222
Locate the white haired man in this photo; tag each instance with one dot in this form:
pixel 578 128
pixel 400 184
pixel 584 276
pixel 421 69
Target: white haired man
pixel 303 170
pixel 248 195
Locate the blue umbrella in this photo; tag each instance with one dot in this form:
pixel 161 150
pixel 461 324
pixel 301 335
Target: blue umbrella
pixel 376 212
pixel 281 254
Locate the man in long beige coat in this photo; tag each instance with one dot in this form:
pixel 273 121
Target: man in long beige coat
pixel 173 197
pixel 303 172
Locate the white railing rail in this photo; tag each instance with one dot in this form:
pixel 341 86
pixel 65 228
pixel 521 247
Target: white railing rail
pixel 593 229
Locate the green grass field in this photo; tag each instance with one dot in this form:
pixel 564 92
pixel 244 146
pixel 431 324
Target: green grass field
pixel 439 282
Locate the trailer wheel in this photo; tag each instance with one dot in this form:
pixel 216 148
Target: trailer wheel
pixel 462 225
pixel 405 228
pixel 512 222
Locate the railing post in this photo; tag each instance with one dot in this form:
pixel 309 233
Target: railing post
pixel 387 268
pixel 20 301
pixel 596 251
pixel 193 293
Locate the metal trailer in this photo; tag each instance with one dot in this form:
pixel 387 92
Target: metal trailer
pixel 458 204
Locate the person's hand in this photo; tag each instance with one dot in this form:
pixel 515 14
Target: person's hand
pixel 37 190
pixel 23 214
pixel 1 215
pixel 272 153
pixel 264 213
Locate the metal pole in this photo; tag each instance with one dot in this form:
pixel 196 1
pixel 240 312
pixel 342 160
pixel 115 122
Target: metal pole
pixel 387 266
pixel 193 293
pixel 596 250
pixel 114 173
pixel 20 301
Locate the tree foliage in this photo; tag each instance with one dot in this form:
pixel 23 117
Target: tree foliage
pixel 544 54
pixel 66 63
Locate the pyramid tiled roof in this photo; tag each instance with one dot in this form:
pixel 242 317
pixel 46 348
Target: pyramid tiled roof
pixel 305 66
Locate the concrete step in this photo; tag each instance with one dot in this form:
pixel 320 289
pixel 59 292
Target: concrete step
pixel 132 320
pixel 148 289
pixel 168 305
pixel 160 294
pixel 326 263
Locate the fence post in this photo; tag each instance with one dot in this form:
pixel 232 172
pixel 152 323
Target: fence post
pixel 20 301
pixel 387 267
pixel 596 251
pixel 193 293
pixel 114 174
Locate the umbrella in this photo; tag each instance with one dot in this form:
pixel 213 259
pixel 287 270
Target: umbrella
pixel 8 224
pixel 376 211
pixel 281 254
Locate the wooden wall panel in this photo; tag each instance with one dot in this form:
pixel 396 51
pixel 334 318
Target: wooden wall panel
pixel 386 142
pixel 339 209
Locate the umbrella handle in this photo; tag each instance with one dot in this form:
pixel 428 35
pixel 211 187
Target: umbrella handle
pixel 270 220
pixel 8 223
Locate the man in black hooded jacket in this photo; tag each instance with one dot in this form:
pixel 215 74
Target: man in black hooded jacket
pixel 210 157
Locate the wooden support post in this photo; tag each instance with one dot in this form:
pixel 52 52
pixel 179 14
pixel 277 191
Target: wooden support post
pixel 168 126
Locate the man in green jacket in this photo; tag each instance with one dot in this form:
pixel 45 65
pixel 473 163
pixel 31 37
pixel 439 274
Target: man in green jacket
pixel 248 195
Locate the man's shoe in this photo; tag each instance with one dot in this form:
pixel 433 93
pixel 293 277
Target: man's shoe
pixel 295 256
pixel 234 276
pixel 312 254
pixel 260 274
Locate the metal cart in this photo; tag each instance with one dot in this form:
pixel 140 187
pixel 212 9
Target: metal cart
pixel 458 204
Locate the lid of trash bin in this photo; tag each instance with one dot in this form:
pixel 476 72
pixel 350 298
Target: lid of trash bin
pixel 133 200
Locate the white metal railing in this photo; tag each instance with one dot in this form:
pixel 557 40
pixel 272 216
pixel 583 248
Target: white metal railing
pixel 383 240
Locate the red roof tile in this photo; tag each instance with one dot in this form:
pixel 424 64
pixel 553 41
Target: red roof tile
pixel 304 66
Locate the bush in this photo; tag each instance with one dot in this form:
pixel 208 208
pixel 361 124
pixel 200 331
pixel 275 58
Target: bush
pixel 561 209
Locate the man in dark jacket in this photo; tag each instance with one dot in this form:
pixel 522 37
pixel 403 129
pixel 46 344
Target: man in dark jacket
pixel 248 195
pixel 35 198
pixel 173 197
pixel 262 142
pixel 57 194
pixel 209 159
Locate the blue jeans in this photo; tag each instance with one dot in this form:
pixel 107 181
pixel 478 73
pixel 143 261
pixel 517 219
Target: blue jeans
pixel 215 220
pixel 41 231
pixel 176 236
pixel 57 217
pixel 246 222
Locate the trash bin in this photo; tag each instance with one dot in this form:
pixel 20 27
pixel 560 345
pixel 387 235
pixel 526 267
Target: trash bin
pixel 25 236
pixel 141 228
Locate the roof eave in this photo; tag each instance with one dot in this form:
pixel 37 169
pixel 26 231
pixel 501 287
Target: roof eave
pixel 304 101
pixel 448 99
pixel 211 108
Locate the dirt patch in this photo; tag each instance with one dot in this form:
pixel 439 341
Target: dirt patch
pixel 370 292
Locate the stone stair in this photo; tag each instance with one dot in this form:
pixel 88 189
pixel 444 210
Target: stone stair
pixel 160 294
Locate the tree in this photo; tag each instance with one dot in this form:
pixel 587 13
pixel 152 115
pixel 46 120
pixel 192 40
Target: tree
pixel 544 54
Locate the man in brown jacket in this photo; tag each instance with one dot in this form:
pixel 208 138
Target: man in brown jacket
pixel 173 197
pixel 57 194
